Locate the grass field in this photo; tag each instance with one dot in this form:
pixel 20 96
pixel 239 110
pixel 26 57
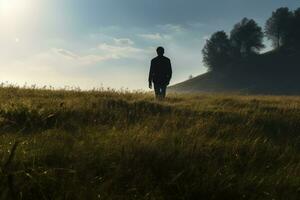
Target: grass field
pixel 119 145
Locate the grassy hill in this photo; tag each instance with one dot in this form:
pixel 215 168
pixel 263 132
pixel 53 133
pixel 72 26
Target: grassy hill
pixel 275 72
pixel 113 145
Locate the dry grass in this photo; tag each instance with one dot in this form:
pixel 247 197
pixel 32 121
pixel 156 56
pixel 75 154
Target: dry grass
pixel 121 145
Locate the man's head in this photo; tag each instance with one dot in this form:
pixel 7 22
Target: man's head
pixel 160 51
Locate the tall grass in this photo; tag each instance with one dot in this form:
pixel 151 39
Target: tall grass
pixel 121 145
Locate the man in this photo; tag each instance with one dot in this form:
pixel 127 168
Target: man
pixel 160 73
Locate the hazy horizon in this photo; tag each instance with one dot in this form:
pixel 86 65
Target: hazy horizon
pixel 109 43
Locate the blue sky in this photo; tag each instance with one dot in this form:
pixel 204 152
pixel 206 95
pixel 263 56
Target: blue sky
pixel 109 43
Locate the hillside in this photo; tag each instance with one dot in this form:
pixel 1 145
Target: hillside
pixel 110 145
pixel 270 73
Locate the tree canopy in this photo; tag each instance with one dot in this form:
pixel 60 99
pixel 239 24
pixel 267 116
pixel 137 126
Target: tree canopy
pixel 278 27
pixel 216 52
pixel 296 28
pixel 246 38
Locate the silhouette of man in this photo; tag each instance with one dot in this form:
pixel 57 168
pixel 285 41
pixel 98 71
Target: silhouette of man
pixel 160 73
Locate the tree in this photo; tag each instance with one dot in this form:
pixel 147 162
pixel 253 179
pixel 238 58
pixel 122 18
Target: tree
pixel 278 27
pixel 216 52
pixel 296 28
pixel 246 38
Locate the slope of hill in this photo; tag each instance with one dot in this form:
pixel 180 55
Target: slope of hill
pixel 108 145
pixel 269 73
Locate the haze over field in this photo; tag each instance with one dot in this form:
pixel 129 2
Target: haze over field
pixel 110 42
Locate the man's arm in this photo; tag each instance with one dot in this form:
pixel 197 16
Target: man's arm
pixel 169 74
pixel 150 79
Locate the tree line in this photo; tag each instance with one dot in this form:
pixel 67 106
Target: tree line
pixel 246 38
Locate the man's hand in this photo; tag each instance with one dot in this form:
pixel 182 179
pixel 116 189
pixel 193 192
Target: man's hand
pixel 150 85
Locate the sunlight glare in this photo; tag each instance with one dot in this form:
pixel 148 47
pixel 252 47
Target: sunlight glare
pixel 14 9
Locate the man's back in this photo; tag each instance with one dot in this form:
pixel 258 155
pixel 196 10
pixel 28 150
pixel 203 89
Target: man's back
pixel 160 73
pixel 160 70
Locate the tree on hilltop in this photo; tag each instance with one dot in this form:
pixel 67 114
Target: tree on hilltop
pixel 278 27
pixel 246 38
pixel 216 52
pixel 296 29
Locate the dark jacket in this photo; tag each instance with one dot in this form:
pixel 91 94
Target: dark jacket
pixel 160 70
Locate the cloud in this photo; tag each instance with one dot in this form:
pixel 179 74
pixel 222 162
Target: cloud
pixel 171 28
pixel 155 36
pixel 66 53
pixel 196 24
pixel 82 59
pixel 123 41
pixel 118 52
pixel 91 59
pixel 123 48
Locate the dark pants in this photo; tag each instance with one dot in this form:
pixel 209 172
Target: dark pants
pixel 160 90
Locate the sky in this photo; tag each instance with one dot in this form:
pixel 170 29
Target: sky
pixel 109 43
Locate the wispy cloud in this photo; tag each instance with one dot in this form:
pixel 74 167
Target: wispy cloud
pixel 122 48
pixel 196 24
pixel 82 59
pixel 123 41
pixel 118 52
pixel 155 36
pixel 171 28
pixel 66 53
